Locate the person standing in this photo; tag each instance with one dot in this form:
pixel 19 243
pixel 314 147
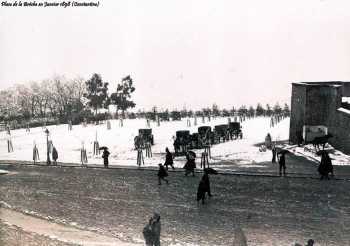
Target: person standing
pixel 162 173
pixel 168 159
pixel 151 232
pixel 105 155
pixel 54 156
pixel 274 152
pixel 282 163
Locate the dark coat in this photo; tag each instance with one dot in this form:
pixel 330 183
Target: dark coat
pixel 325 166
pixel 54 154
pixel 105 155
pixel 168 159
pixel 190 165
pixel 206 182
pixel 201 190
pixel 162 173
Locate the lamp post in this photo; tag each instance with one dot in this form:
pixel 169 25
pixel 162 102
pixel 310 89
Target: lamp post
pixel 48 161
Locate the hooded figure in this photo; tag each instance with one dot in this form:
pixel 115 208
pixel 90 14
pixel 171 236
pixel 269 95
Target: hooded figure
pixel 151 232
pixel 54 155
pixel 168 159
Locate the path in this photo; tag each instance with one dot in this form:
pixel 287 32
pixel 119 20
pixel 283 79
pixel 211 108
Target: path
pixel 57 231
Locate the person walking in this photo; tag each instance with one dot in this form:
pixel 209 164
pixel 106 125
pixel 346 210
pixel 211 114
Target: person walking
pixel 151 232
pixel 282 163
pixel 168 159
pixel 190 164
pixel 105 155
pixel 162 173
pixel 203 187
pixel 325 166
pixel 54 156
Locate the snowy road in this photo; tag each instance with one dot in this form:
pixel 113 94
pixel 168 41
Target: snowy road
pixel 118 202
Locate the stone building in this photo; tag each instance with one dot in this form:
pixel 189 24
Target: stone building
pixel 322 104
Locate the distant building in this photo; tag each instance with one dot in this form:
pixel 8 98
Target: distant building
pixel 322 104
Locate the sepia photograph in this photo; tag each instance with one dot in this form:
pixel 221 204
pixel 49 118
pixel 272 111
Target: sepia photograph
pixel 175 123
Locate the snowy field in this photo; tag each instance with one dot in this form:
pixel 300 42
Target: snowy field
pixel 120 142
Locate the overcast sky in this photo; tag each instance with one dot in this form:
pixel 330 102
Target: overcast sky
pixel 192 53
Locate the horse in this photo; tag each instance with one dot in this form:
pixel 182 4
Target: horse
pixel 317 141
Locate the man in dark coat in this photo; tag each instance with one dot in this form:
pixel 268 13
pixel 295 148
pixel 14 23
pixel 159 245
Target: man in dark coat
pixel 54 156
pixel 162 173
pixel 105 155
pixel 168 159
pixel 282 163
pixel 274 152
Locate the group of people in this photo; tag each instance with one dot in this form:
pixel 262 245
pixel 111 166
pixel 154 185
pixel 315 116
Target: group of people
pixel 324 169
pixel 204 184
pixel 189 166
pixel 151 231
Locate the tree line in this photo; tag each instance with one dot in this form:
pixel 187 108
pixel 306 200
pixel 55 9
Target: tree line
pixel 215 111
pixel 60 100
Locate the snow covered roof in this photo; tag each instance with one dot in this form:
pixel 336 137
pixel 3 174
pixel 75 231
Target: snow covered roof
pixel 344 110
pixel 322 83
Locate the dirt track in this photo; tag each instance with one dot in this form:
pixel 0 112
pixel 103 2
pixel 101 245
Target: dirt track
pixel 117 203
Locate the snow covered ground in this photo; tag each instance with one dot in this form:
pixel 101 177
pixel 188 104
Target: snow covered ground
pixel 120 142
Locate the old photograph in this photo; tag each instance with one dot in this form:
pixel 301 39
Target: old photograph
pixel 175 123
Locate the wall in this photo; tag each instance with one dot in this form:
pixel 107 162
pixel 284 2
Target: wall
pixel 298 102
pixel 315 104
pixel 341 132
pixel 321 105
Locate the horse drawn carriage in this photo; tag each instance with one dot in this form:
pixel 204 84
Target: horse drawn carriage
pixel 145 137
pixel 182 141
pixel 235 130
pixel 221 133
pixel 205 134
